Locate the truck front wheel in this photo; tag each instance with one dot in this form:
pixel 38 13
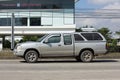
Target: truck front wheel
pixel 86 56
pixel 31 56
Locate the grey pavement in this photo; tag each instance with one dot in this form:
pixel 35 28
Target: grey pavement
pixel 60 70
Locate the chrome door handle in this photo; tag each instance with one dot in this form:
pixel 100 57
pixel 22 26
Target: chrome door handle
pixel 59 44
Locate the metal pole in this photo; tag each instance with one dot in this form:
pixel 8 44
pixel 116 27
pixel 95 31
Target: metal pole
pixel 12 33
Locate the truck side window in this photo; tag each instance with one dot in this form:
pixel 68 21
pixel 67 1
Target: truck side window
pixel 54 39
pixel 92 36
pixel 67 39
pixel 78 37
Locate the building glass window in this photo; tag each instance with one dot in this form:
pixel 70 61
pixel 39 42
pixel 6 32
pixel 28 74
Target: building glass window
pixel 68 16
pixel 5 21
pixel 35 21
pixel 20 21
pixel 58 17
pixel 50 13
pixel 46 18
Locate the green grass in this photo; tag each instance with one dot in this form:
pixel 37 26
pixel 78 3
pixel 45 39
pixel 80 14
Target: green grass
pixel 7 54
pixel 114 55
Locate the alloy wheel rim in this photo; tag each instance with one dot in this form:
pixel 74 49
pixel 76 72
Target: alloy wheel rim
pixel 86 56
pixel 31 57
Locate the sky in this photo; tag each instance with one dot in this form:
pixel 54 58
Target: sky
pixel 110 7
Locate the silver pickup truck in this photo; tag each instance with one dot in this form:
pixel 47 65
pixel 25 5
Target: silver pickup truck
pixel 83 46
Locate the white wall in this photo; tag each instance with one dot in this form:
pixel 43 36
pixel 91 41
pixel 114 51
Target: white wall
pixel 57 17
pixel 52 21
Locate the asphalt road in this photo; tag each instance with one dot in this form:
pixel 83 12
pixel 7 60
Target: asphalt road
pixel 60 70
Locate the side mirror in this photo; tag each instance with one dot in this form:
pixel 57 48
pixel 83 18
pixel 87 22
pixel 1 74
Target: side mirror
pixel 46 41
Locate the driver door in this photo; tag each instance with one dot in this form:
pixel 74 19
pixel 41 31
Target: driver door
pixel 51 46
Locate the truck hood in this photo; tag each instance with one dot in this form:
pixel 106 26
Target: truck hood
pixel 27 43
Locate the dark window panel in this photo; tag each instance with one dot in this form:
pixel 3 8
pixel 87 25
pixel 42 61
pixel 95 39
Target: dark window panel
pixel 67 39
pixel 78 37
pixel 20 21
pixel 88 36
pixel 5 21
pixel 92 36
pixel 97 37
pixel 35 21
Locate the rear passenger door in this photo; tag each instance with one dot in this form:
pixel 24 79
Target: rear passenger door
pixel 79 43
pixel 67 45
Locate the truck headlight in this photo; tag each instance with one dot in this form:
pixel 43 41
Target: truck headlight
pixel 19 47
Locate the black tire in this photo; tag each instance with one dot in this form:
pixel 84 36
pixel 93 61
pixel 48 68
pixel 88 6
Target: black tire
pixel 86 56
pixel 31 56
pixel 78 59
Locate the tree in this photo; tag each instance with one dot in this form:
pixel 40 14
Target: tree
pixel 113 46
pixel 105 32
pixel 118 32
pixel 7 44
pixel 29 38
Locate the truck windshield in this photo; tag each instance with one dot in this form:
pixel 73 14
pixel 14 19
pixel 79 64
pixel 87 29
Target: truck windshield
pixel 40 39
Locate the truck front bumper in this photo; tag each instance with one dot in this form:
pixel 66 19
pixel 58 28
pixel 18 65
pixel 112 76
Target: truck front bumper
pixel 19 52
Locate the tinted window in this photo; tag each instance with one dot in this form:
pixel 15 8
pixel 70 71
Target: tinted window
pixel 78 37
pixel 5 21
pixel 67 39
pixel 92 36
pixel 97 37
pixel 54 39
pixel 20 21
pixel 35 21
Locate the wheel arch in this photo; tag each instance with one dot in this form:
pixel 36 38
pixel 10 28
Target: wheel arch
pixel 32 49
pixel 86 49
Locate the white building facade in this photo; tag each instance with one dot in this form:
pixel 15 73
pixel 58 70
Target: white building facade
pixel 34 17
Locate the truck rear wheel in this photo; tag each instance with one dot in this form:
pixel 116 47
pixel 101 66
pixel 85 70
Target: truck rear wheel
pixel 31 56
pixel 86 56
